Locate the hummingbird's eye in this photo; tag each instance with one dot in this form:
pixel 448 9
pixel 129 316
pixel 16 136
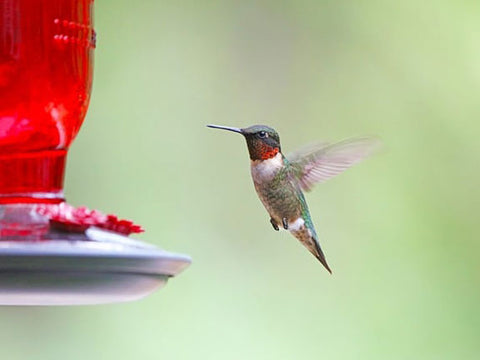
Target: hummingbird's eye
pixel 263 134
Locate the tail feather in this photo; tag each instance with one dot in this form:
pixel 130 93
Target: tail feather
pixel 309 239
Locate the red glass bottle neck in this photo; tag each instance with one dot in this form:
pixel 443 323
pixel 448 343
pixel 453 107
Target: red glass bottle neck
pixel 33 177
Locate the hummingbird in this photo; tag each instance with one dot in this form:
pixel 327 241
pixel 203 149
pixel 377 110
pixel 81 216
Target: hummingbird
pixel 280 180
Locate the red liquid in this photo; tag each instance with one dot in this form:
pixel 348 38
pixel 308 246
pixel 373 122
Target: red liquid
pixel 46 63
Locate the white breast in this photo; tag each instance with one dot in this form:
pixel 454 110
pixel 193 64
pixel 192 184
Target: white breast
pixel 265 170
pixel 296 225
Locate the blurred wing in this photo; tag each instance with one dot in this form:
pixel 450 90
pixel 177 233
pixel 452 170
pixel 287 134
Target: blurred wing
pixel 319 162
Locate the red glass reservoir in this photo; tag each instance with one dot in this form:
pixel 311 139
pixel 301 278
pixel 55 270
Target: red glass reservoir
pixel 46 64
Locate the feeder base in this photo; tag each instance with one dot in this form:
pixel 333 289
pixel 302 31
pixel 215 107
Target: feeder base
pixel 78 269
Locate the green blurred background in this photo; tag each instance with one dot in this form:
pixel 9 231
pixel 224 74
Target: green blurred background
pixel 400 231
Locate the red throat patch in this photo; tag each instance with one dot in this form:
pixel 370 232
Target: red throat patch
pixel 268 152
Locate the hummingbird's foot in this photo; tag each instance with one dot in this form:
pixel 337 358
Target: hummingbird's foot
pixel 274 224
pixel 285 223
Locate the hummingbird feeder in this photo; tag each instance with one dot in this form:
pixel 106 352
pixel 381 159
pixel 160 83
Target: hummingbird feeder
pixel 50 252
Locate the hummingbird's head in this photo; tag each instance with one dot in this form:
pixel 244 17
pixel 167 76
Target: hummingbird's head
pixel 263 142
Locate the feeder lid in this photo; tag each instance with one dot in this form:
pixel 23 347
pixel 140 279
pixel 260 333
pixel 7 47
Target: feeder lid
pixel 94 267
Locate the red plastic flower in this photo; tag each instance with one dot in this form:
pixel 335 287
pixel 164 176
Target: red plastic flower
pixel 68 218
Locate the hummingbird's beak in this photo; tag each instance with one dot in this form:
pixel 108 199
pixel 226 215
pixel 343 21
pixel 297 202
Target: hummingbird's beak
pixel 234 129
